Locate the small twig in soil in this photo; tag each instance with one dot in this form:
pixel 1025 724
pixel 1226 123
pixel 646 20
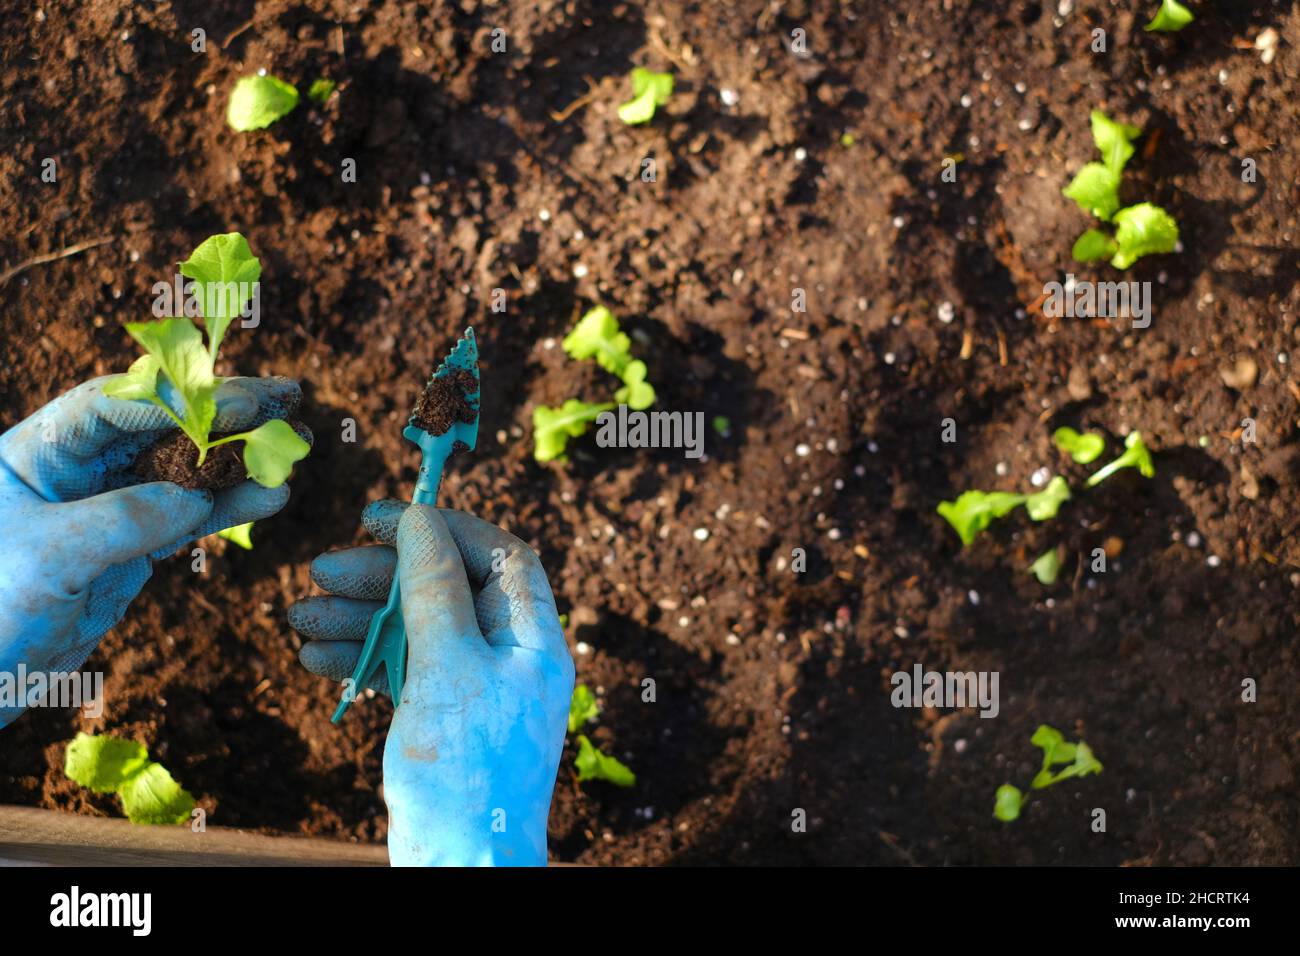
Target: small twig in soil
pixel 236 32
pixel 51 257
pixel 577 104
pixel 682 62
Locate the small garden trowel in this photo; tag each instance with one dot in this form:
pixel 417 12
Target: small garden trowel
pixel 449 405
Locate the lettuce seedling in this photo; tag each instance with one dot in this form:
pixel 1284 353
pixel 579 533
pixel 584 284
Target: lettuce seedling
pixel 1140 230
pixel 224 268
pixel 1170 18
pixel 553 427
pixel 1047 567
pixel 594 765
pixel 582 708
pixel 1136 455
pixel 974 511
pixel 596 336
pixel 321 90
pixel 240 534
pixel 1008 801
pixel 113 765
pixel 1084 448
pixel 649 90
pixel 258 101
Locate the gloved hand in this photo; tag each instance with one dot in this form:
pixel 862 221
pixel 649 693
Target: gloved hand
pixel 474 747
pixel 78 533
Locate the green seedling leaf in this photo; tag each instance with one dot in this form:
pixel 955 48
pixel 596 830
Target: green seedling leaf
pixel 153 797
pixel 973 511
pixel 1143 230
pixel 1046 503
pixel 103 763
pixel 240 534
pixel 225 268
pixel 582 708
pixel 649 90
pixel 1136 455
pixel 1007 803
pixel 138 383
pixel 597 336
pixel 1084 448
pixel 1170 18
pixel 553 427
pixel 594 765
pixel 107 764
pixel 321 90
pixel 1096 189
pixel 722 425
pixel 1047 568
pixel 636 392
pixel 1114 141
pixel 270 451
pixel 1056 750
pixel 258 101
pixel 177 347
pixel 639 110
pixel 1093 245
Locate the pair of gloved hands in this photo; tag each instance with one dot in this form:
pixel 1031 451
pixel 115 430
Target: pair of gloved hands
pixel 473 750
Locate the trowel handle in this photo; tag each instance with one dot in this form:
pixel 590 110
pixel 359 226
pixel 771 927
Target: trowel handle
pixel 385 645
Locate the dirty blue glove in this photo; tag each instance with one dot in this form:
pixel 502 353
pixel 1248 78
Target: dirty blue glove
pixel 474 748
pixel 76 529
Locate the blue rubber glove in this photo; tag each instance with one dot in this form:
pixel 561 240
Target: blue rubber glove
pixel 473 750
pixel 77 528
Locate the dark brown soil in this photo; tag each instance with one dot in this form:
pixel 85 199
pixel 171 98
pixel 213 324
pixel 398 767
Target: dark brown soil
pixel 772 687
pixel 445 401
pixel 174 458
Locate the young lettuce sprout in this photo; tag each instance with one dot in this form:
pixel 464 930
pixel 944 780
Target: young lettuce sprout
pixel 1008 801
pixel 321 90
pixel 649 90
pixel 582 708
pixel 1047 568
pixel 1140 230
pixel 224 268
pixel 590 762
pixel 258 101
pixel 240 534
pixel 1136 455
pixel 596 336
pixel 1170 18
pixel 553 427
pixel 113 765
pixel 1084 448
pixel 973 511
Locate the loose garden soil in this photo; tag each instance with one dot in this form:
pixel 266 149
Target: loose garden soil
pixel 772 687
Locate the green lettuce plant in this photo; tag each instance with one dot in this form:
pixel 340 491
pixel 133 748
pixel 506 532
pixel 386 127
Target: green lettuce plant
pixel 596 337
pixel 1083 447
pixel 649 90
pixel 224 268
pixel 1170 18
pixel 258 101
pixel 1140 230
pixel 591 763
pixel 1136 455
pixel 107 764
pixel 974 511
pixel 1078 758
